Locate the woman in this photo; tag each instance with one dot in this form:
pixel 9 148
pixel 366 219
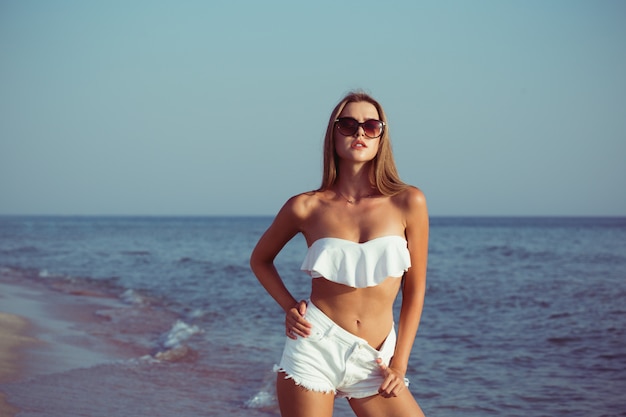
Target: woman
pixel 366 230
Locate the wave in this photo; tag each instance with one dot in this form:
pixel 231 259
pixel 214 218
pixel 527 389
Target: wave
pixel 24 250
pixel 172 346
pixel 130 296
pixel 136 252
pixel 179 333
pixel 265 398
pixel 523 254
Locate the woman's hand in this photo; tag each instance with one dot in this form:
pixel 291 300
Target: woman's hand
pixel 394 381
pixel 295 323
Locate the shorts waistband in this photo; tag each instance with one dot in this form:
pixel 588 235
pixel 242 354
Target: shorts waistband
pixel 325 325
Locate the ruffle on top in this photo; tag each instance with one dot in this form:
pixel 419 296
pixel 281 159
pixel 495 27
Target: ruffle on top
pixel 358 265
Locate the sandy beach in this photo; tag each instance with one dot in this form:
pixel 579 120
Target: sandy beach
pixel 47 331
pixel 70 349
pixel 14 340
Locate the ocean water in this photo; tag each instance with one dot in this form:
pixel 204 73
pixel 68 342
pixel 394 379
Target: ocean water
pixel 523 316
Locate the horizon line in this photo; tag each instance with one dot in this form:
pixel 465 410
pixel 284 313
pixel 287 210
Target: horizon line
pixel 273 215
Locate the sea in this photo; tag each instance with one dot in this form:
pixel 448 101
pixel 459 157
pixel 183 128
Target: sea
pixel 524 316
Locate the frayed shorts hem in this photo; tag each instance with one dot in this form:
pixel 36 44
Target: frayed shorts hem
pixel 324 390
pixel 307 385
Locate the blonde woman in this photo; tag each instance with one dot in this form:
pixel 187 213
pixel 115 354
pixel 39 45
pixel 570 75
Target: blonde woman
pixel 367 237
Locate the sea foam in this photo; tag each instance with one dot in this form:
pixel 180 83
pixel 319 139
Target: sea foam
pixel 178 334
pixel 172 345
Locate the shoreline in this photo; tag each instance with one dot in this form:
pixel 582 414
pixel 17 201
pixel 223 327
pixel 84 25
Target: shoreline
pixel 100 351
pixel 46 330
pixel 14 339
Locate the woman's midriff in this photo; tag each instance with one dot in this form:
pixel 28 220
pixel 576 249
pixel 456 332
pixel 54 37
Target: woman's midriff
pixel 364 312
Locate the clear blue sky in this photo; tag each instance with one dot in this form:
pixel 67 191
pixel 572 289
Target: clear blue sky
pixel 219 107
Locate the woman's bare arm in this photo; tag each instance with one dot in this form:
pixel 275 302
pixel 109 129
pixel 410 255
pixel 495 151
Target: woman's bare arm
pixel 284 227
pixel 414 288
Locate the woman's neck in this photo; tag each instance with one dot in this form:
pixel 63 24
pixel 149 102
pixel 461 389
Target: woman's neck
pixel 355 182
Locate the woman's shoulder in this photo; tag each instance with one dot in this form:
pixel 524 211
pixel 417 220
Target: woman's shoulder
pixel 410 198
pixel 303 204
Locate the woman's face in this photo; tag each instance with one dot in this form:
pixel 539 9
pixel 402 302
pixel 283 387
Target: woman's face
pixel 357 147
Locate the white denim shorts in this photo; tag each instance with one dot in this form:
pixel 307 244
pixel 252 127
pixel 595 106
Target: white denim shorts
pixel 333 360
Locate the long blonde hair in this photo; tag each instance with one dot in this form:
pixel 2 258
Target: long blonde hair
pixel 383 173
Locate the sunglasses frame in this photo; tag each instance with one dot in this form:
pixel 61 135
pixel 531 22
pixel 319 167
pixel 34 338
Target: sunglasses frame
pixel 359 124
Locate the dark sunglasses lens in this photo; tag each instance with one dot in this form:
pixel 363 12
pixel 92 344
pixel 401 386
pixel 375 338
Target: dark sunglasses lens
pixel 373 128
pixel 347 126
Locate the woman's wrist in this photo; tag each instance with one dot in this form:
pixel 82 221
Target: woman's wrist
pixel 397 366
pixel 289 306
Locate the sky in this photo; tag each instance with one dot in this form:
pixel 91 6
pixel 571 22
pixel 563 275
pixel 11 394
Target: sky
pixel 495 108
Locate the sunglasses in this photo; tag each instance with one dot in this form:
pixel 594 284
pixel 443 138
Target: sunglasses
pixel 348 126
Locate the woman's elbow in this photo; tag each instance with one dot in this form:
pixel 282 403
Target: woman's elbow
pixel 259 262
pixel 255 261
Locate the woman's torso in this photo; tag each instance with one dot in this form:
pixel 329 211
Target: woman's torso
pixel 365 312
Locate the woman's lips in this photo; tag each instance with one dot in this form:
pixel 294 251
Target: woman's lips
pixel 359 145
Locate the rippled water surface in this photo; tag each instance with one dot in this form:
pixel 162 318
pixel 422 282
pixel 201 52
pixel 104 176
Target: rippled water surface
pixel 523 316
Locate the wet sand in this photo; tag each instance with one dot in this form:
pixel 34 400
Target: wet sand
pixel 46 331
pixel 69 348
pixel 13 340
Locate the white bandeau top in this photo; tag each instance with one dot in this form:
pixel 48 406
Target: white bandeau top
pixel 358 265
